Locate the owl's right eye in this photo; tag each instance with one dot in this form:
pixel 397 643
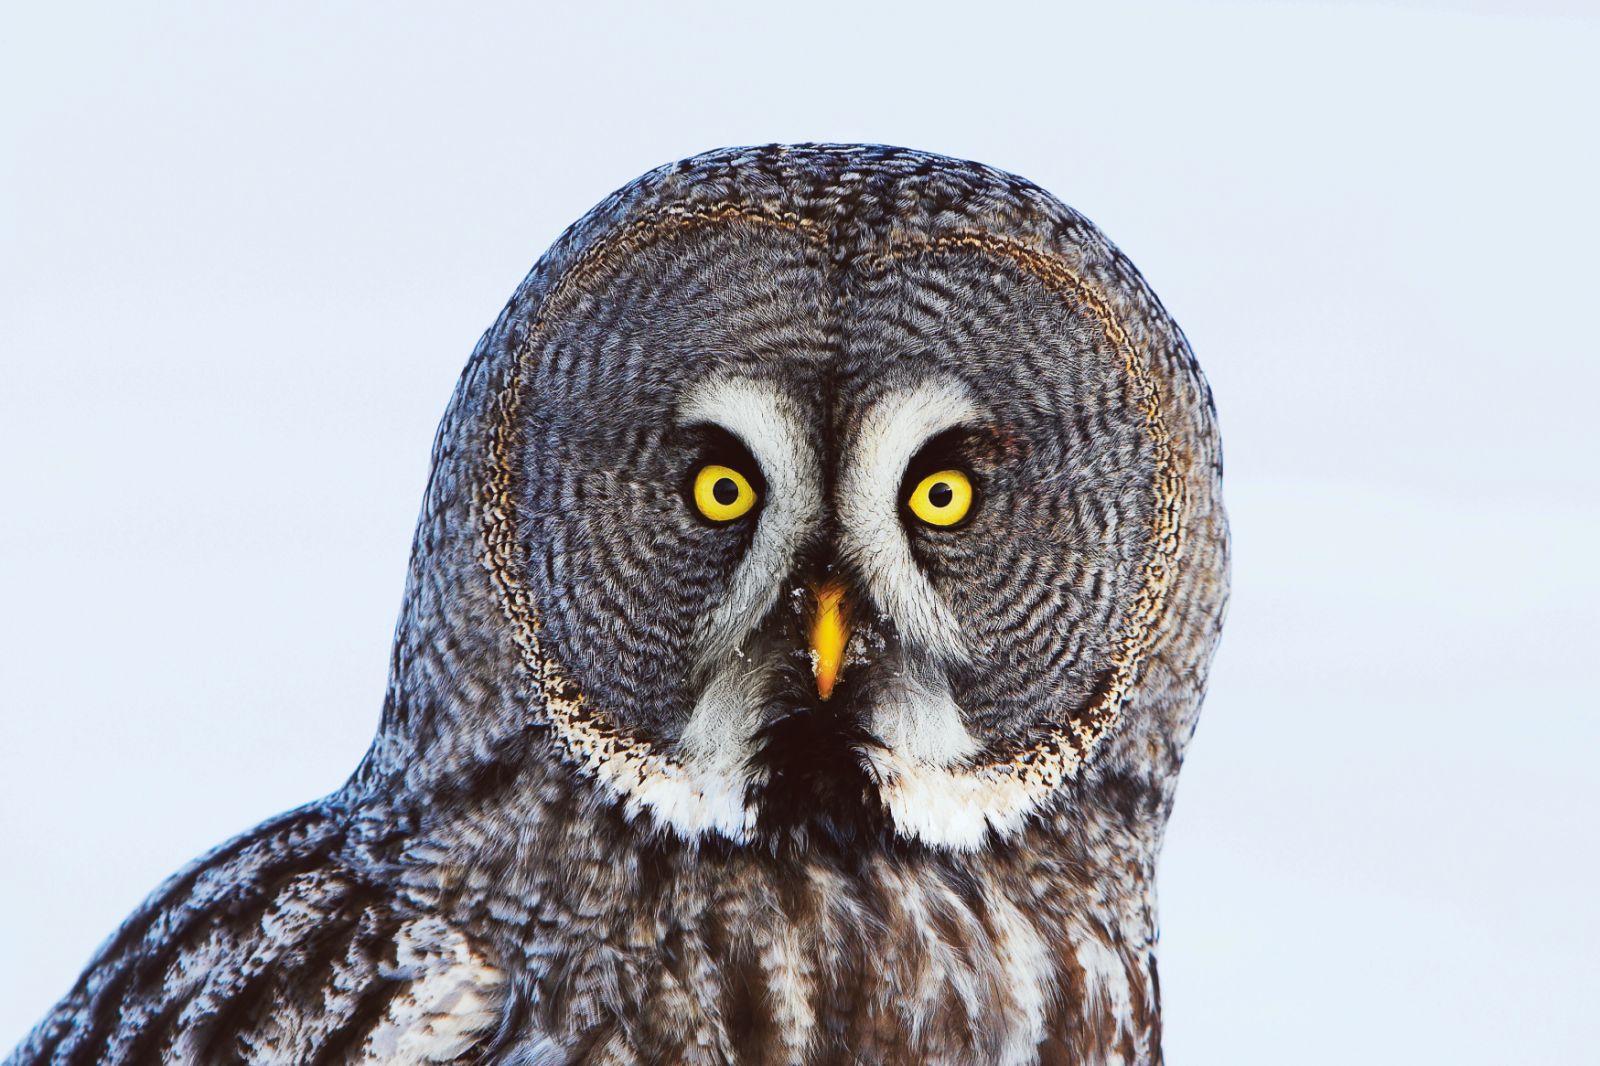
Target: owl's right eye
pixel 722 494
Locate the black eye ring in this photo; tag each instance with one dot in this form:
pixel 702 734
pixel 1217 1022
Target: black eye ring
pixel 723 483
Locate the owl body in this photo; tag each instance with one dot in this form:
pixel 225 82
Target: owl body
pixel 811 602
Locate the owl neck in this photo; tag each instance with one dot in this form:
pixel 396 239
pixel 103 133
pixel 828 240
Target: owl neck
pixel 1037 949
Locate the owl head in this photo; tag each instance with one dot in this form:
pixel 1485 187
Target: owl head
pixel 807 496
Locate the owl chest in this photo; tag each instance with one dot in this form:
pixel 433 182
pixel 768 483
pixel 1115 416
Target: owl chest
pixel 923 977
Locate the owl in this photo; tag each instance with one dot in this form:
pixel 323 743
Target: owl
pixel 812 599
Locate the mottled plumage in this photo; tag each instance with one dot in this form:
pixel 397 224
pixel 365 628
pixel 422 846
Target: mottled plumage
pixel 610 815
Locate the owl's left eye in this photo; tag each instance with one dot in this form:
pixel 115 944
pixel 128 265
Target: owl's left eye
pixel 942 498
pixel 722 494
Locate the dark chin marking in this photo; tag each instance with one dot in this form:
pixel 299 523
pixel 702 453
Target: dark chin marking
pixel 816 791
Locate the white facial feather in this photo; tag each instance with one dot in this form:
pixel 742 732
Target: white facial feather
pixel 951 806
pixel 917 718
pixel 895 428
pixel 768 423
pixel 714 752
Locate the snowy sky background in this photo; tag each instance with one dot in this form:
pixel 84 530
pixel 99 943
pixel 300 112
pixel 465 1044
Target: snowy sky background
pixel 245 252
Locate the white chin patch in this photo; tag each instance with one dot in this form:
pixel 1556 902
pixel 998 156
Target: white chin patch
pixel 926 781
pixel 932 793
pixel 704 792
pixel 918 720
pixel 951 807
pixel 694 805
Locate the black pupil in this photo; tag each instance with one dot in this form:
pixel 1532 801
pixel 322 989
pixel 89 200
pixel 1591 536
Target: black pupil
pixel 725 491
pixel 941 494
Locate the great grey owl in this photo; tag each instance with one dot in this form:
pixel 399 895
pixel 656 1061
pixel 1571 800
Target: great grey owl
pixel 812 599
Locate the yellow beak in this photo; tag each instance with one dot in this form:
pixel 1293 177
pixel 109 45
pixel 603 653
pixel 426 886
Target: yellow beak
pixel 830 632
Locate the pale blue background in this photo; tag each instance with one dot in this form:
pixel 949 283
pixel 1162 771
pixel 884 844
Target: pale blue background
pixel 247 249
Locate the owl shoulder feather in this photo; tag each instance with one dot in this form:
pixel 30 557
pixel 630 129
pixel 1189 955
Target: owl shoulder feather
pixel 286 944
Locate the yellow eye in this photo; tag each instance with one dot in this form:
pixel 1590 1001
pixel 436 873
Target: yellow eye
pixel 942 499
pixel 722 493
